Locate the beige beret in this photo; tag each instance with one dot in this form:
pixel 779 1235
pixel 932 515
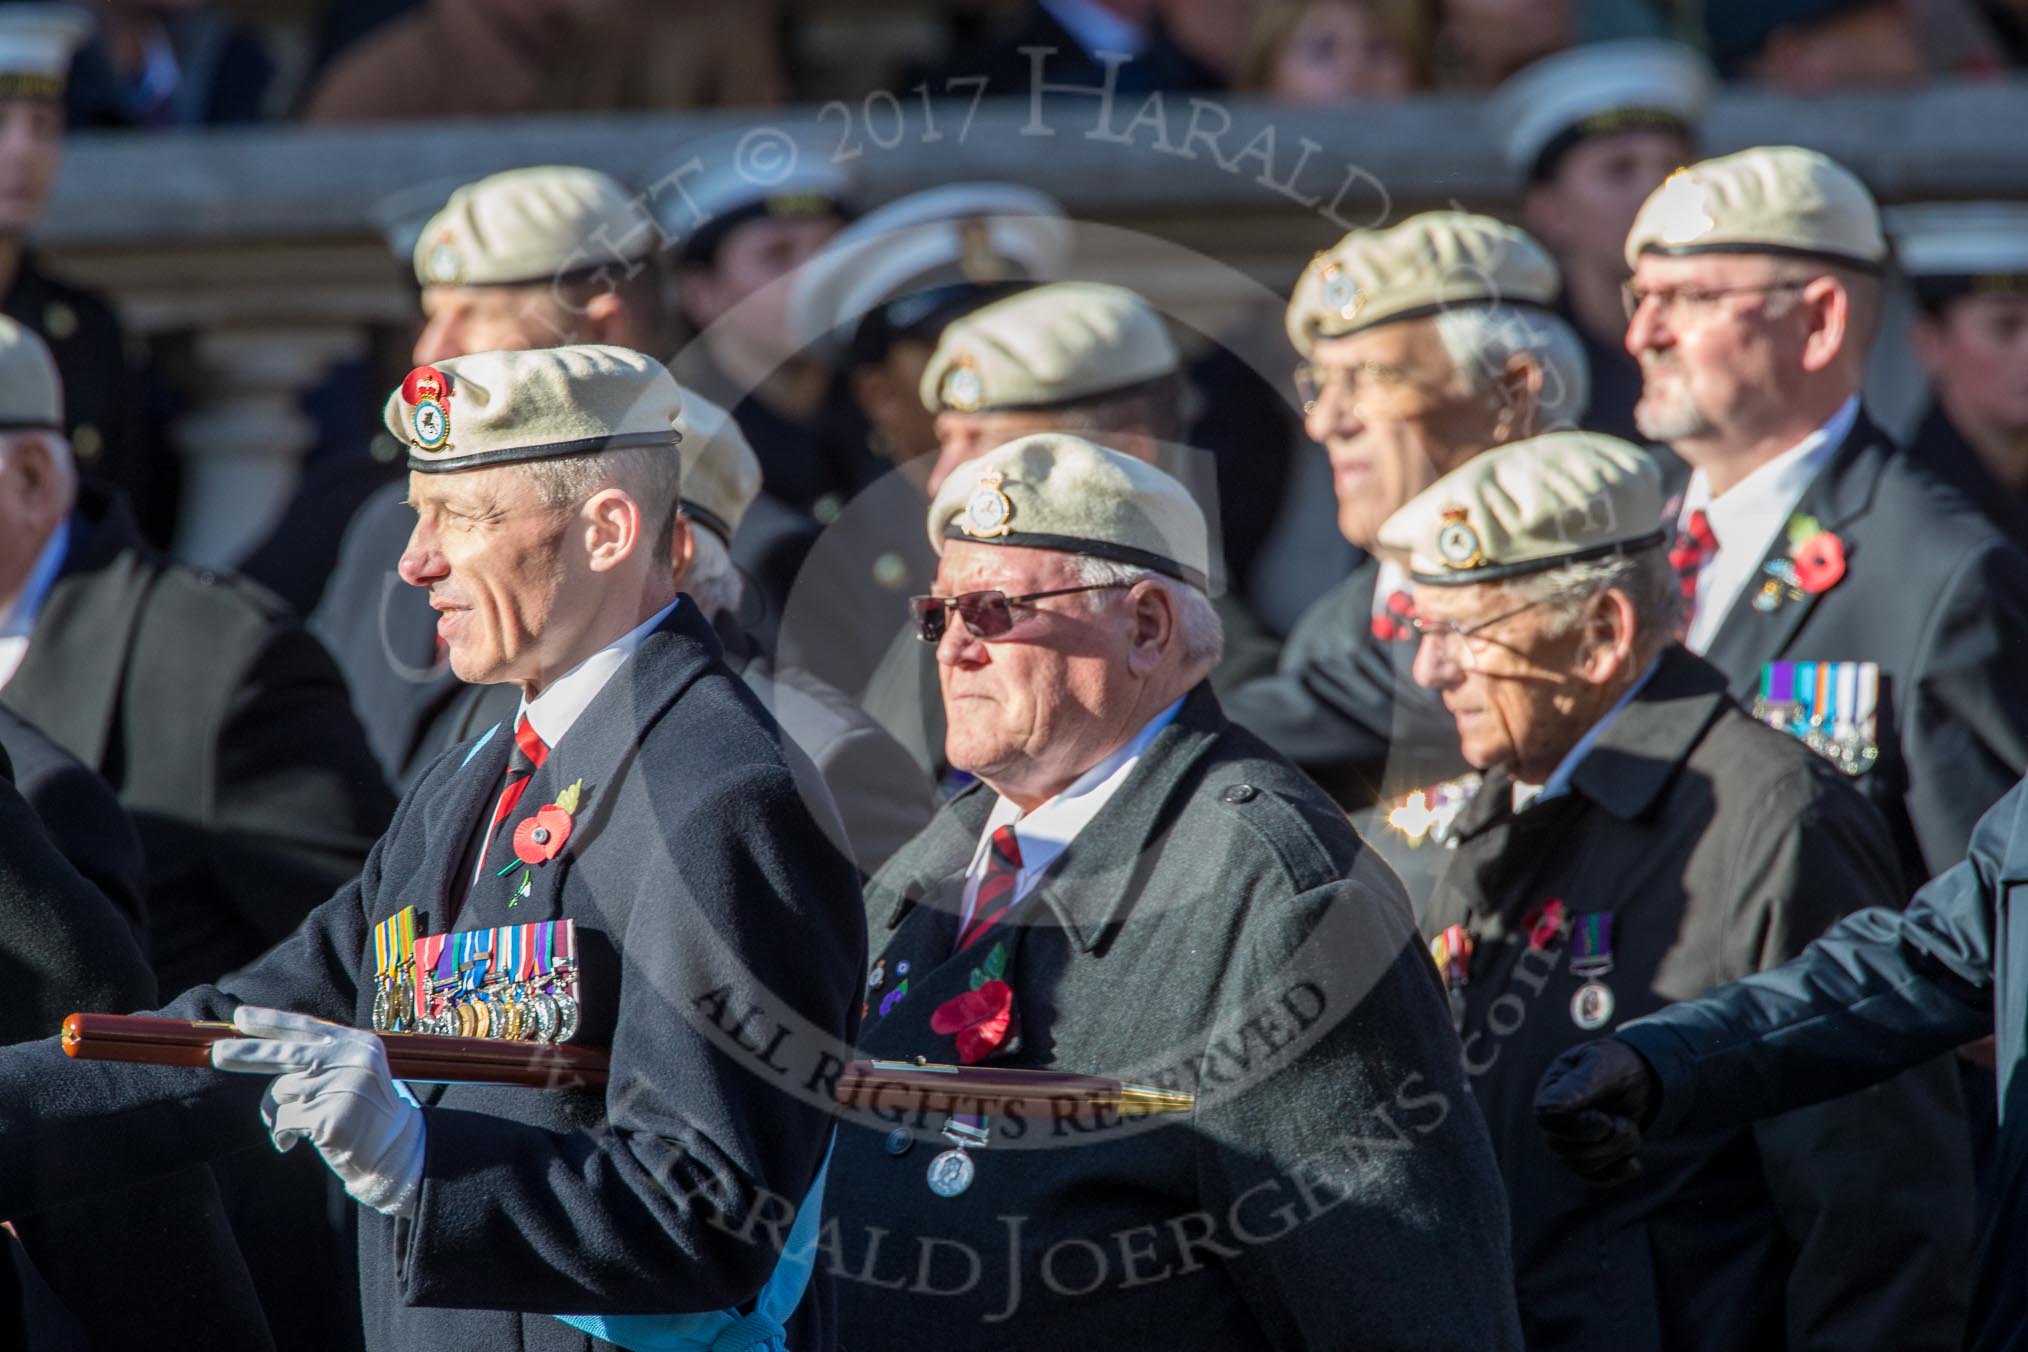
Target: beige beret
pixel 1564 497
pixel 1419 267
pixel 1058 344
pixel 532 225
pixel 1052 491
pixel 495 408
pixel 721 474
pixel 1768 200
pixel 31 391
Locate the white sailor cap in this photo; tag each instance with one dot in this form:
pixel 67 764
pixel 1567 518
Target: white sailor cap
pixel 1597 89
pixel 36 45
pixel 1953 249
pixel 709 187
pixel 923 259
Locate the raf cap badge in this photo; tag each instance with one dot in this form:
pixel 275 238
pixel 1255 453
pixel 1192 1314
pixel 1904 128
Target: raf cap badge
pixel 1342 295
pixel 445 265
pixel 428 394
pixel 988 510
pixel 1457 544
pixel 978 261
pixel 961 390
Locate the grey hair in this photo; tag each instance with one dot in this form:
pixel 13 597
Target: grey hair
pixel 1646 578
pixel 651 475
pixel 1202 631
pixel 714 582
pixel 1482 338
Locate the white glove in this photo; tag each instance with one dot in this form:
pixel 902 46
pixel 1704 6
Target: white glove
pixel 332 1088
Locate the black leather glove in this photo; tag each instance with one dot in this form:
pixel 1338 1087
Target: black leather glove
pixel 1592 1103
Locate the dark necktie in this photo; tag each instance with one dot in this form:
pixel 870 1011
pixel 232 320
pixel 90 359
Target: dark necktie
pixel 996 889
pixel 1695 545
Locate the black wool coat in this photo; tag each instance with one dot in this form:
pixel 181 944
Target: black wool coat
pixel 721 939
pixel 1936 595
pixel 1717 847
pixel 223 728
pixel 1218 929
pixel 81 816
pixel 151 1264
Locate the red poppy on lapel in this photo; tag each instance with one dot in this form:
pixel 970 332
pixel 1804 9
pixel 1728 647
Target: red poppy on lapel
pixel 1544 925
pixel 540 839
pixel 1820 562
pixel 1392 624
pixel 980 1019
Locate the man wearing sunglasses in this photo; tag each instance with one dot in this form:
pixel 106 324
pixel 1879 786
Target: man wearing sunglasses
pixel 1637 839
pixel 1139 890
pixel 1803 533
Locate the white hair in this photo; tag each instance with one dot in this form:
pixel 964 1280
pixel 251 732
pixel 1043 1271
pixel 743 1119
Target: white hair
pixel 1202 631
pixel 1482 338
pixel 1646 578
pixel 714 581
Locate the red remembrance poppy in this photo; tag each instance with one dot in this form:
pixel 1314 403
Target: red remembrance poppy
pixel 1820 562
pixel 979 1018
pixel 540 839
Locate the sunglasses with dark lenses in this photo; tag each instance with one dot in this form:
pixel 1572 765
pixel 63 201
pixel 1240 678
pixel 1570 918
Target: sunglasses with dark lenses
pixel 987 614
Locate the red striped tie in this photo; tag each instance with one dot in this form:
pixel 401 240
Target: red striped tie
pixel 522 762
pixel 996 889
pixel 1695 544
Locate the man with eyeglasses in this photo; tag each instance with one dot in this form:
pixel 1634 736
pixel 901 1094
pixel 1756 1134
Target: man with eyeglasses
pixel 1843 590
pixel 1139 890
pixel 1639 839
pixel 1422 345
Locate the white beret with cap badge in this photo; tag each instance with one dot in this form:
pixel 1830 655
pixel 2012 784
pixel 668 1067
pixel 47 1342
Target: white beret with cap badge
pixel 1781 200
pixel 1420 267
pixel 535 225
pixel 1563 497
pixel 1054 491
pixel 495 408
pixel 1058 344
pixel 31 390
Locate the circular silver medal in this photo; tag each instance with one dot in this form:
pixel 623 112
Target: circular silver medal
pixel 566 1019
pixel 380 1009
pixel 542 1026
pixel 950 1173
pixel 1592 1007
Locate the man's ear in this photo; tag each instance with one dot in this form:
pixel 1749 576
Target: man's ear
pixel 1607 646
pixel 612 528
pixel 1519 390
pixel 1154 626
pixel 1828 305
pixel 682 550
pixel 42 479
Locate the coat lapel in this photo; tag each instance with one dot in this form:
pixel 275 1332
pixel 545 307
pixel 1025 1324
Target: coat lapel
pixel 1748 638
pixel 68 684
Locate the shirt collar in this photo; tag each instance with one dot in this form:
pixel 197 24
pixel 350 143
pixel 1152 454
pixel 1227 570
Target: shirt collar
pixel 20 617
pixel 1778 483
pixel 552 712
pixel 1559 779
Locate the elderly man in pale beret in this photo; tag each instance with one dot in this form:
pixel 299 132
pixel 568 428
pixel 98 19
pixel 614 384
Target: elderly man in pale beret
pixel 1637 839
pixel 1588 133
pixel 665 893
pixel 1422 345
pixel 1833 581
pixel 1136 889
pixel 1086 358
pixel 881 795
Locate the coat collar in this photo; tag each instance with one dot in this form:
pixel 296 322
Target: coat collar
pixel 1090 889
pixel 1840 494
pixel 76 662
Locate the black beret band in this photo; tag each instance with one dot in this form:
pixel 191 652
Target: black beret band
pixel 1498 572
pixel 554 450
pixel 1097 549
pixel 1872 266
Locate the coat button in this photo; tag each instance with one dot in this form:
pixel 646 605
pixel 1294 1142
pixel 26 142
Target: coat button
pixel 1239 793
pixel 899 1141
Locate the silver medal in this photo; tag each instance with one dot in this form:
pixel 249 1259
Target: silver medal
pixel 1592 1007
pixel 951 1173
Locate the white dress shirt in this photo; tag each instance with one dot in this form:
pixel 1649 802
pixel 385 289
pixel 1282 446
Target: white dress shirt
pixel 1046 831
pixel 19 621
pixel 565 699
pixel 1391 578
pixel 1750 516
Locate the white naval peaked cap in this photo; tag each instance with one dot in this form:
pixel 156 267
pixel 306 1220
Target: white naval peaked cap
pixel 1426 264
pixel 1780 200
pixel 740 176
pixel 963 234
pixel 1063 343
pixel 31 390
pixel 36 45
pixel 1596 89
pixel 1563 497
pixel 721 474
pixel 1055 491
pixel 497 408
pixel 1960 248
pixel 532 225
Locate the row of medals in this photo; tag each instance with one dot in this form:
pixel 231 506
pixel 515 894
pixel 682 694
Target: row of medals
pixel 513 1011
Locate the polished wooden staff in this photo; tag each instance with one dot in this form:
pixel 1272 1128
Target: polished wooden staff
pixel 921 1086
pixel 422 1057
